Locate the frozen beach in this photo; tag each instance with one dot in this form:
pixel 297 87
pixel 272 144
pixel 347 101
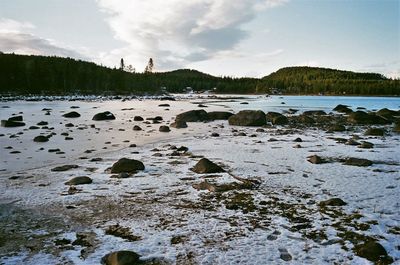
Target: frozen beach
pixel 287 193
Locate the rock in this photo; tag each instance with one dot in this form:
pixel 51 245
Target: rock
pixel 314 113
pixel 138 118
pixel 72 114
pixel 103 116
pixel 205 185
pixel 373 251
pixel 342 109
pixel 202 106
pixel 122 232
pixel 64 168
pixel 375 132
pixel 337 128
pixel 179 124
pixel 68 125
pixel 366 145
pixel 137 128
pixel 305 120
pixel 164 128
pixel 193 116
pixel 359 162
pixel 79 181
pixel 276 118
pixel 214 134
pixel 123 257
pixel 42 123
pixel 10 123
pixel 298 140
pixel 388 114
pixel 205 166
pixel 16 118
pixel 361 117
pixel 352 142
pixel 127 165
pixel 314 159
pixel 33 127
pixel 332 202
pixel 396 127
pixel 248 118
pixel 164 105
pixel 219 115
pixel 41 139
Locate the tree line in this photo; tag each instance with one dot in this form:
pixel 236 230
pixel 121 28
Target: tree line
pixel 44 75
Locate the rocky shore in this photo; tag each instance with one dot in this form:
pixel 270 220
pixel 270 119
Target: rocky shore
pixel 190 183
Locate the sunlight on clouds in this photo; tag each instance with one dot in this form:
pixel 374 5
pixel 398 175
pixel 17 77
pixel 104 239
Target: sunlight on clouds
pixel 176 32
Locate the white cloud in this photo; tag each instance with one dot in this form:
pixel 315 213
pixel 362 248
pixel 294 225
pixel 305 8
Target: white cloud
pixel 176 33
pixel 16 37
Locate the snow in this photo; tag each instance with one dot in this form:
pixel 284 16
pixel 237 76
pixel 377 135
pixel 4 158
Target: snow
pixel 160 203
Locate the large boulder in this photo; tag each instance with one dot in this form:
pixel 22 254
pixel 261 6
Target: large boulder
pixel 193 116
pixel 373 251
pixel 206 166
pixel 343 109
pixel 103 116
pixel 248 118
pixel 14 121
pixel 375 132
pixel 72 114
pixel 41 139
pixel 123 257
pixel 276 118
pixel 219 115
pixel 127 165
pixel 164 128
pixel 388 114
pixel 361 117
pixel 304 120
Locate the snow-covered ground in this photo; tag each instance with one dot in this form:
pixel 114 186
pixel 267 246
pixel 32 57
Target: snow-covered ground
pixel 277 221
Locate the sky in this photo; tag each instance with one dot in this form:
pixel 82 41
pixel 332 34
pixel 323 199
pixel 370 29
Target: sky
pixel 221 37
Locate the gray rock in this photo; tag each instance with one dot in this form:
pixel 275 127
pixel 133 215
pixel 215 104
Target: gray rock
pixel 72 114
pixel 127 165
pixel 248 118
pixel 103 116
pixel 79 181
pixel 206 166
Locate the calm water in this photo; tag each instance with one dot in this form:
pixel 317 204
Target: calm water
pixel 327 103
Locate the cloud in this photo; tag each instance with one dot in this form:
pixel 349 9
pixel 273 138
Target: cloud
pixel 16 37
pixel 176 33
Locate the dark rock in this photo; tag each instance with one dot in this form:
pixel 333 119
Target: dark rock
pixel 276 118
pixel 206 166
pixel 16 118
pixel 388 114
pixel 54 150
pixel 72 114
pixel 137 128
pixel 314 159
pixel 343 109
pixel 138 118
pixel 332 202
pixel 8 123
pixel 64 168
pixel 79 181
pixel 352 142
pixel 248 118
pixel 396 127
pixel 360 162
pixel 337 128
pixel 202 106
pixel 375 132
pixel 123 257
pixel 41 139
pixel 164 105
pixel 298 140
pixel 127 165
pixel 314 112
pixel 366 145
pixel 373 251
pixel 193 116
pixel 42 123
pixel 179 124
pixel 361 117
pixel 34 127
pixel 103 116
pixel 164 128
pixel 122 232
pixel 69 125
pixel 305 120
pixel 214 134
pixel 219 115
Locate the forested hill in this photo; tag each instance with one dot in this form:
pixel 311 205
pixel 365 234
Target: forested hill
pixel 40 75
pixel 22 74
pixel 314 80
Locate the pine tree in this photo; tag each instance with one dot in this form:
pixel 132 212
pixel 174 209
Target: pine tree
pixel 122 65
pixel 149 67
